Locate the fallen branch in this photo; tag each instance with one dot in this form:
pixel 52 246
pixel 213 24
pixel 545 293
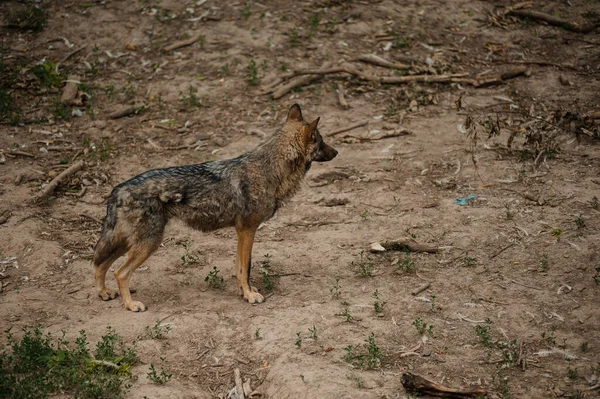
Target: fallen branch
pixel 126 112
pixel 239 385
pixel 348 128
pixel 420 288
pixel 404 244
pixel 295 82
pixel 341 98
pixel 376 60
pixel 21 153
pixel 415 383
pixel 381 136
pixel 66 173
pixel 182 43
pixel 72 53
pixel 452 78
pixel 552 20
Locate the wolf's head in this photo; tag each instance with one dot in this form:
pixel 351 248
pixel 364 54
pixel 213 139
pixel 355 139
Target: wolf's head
pixel 308 138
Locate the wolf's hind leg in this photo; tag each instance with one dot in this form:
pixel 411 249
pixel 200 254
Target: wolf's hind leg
pixel 137 255
pixel 105 293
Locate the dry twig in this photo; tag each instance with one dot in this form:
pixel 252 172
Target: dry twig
pixel 416 383
pixel 66 173
pixel 182 43
pixel 552 20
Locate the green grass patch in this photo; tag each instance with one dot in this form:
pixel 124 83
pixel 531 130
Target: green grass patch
pixel 38 365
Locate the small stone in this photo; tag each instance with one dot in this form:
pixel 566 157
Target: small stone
pixel 426 353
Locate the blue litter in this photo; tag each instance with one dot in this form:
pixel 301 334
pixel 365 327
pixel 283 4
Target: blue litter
pixel 463 201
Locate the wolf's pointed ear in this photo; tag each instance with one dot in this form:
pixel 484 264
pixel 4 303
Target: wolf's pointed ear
pixel 313 125
pixel 294 114
pixel 309 131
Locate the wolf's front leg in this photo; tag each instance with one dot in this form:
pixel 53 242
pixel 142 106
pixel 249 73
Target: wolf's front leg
pixel 243 264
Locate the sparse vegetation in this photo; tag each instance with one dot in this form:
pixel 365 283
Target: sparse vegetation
pixel 544 263
pixel 252 73
pixel 422 327
pixel 30 17
pixel 298 342
pixel 364 266
pixel 269 279
pixel 159 378
pixel 189 257
pixel 406 264
pixel 39 365
pixel 580 221
pixel 378 304
pixel 485 334
pixel 369 358
pixel 214 280
pixel 469 260
pixel 313 332
pixel 157 331
pixel 594 203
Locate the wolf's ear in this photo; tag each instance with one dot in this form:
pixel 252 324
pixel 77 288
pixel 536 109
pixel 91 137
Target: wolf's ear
pixel 294 114
pixel 309 131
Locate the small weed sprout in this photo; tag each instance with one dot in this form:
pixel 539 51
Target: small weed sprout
pixel 371 360
pixel 433 304
pixel 557 233
pixel 378 305
pixel 189 258
pixel 584 346
pixel 191 100
pixel 293 37
pixel 257 334
pixel 412 235
pixel 580 221
pixel 597 275
pixel 157 331
pixel 373 353
pixel 407 264
pixel 594 203
pixel 213 279
pixel 544 264
pixel 298 340
pixel 336 289
pixel 364 266
pixel 252 76
pixel 159 378
pixel 314 21
pixel 269 279
pixel 246 11
pixel 469 260
pixel 485 335
pixel 313 332
pixel 573 374
pixel 509 214
pixel 422 327
pixel 346 313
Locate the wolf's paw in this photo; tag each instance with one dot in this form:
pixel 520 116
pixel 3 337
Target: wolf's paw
pixel 107 294
pixel 254 296
pixel 135 306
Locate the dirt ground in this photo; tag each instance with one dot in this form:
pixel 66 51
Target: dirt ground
pixel 519 261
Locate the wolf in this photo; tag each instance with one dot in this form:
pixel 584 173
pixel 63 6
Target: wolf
pixel 241 192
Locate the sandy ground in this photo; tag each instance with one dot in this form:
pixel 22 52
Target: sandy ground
pixel 502 263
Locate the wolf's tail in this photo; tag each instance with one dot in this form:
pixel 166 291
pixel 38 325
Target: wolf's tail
pixel 108 242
